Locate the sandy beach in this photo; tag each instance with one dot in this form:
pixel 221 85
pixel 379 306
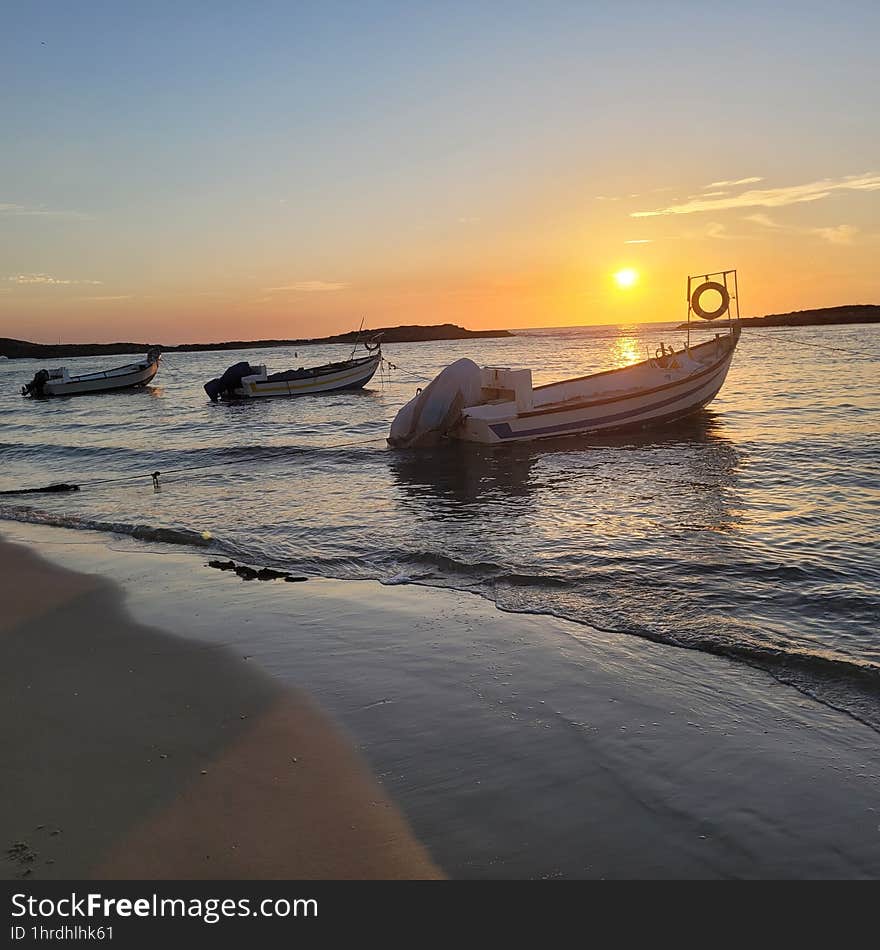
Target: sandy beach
pixel 500 745
pixel 129 753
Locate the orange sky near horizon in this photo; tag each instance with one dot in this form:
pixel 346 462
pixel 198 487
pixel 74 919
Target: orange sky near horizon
pixel 773 279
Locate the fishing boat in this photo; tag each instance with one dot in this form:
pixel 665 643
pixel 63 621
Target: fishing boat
pixel 498 404
pixel 59 382
pixel 243 381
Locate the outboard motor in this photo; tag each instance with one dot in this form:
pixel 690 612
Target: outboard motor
pixel 229 381
pixel 36 387
pixel 436 410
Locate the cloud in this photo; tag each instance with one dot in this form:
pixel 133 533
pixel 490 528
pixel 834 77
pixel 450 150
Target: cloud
pixel 640 241
pixel 770 197
pixel 16 210
pixel 838 234
pixel 47 279
pixel 111 297
pixel 842 234
pixel 711 230
pixel 307 287
pixel 731 184
pixel 764 220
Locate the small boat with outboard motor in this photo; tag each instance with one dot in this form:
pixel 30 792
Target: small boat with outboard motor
pixel 497 404
pixel 59 382
pixel 244 381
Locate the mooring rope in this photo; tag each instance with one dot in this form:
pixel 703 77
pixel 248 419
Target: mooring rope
pixel 185 470
pixel 414 377
pixel 824 346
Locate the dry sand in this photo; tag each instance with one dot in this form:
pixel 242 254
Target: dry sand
pixel 129 753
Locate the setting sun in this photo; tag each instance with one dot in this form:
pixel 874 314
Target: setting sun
pixel 626 278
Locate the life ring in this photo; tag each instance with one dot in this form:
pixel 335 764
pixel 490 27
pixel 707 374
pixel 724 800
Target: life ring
pixel 722 307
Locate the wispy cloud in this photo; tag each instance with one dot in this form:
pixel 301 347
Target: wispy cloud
pixel 47 279
pixel 640 241
pixel 770 197
pixel 9 209
pixel 110 297
pixel 731 184
pixel 837 234
pixel 841 234
pixel 632 195
pixel 764 220
pixel 308 287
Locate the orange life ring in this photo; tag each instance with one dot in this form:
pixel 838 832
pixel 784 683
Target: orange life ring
pixel 722 307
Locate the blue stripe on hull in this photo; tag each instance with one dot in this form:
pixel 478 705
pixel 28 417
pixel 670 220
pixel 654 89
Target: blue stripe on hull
pixel 358 385
pixel 617 420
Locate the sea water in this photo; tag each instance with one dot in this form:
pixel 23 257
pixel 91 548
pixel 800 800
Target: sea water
pixel 750 530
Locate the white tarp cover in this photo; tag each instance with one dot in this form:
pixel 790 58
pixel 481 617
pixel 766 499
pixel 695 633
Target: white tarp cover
pixel 426 418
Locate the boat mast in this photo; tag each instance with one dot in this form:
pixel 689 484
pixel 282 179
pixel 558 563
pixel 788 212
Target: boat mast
pixel 356 338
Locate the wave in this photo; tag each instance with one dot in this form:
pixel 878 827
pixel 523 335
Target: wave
pixel 142 532
pixel 849 685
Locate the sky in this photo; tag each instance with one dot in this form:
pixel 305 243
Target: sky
pixel 189 171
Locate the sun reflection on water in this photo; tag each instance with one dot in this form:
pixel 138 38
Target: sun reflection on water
pixel 626 349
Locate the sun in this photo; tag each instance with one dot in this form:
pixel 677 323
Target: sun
pixel 626 278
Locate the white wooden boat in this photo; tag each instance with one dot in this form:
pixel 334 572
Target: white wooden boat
pixel 59 382
pixel 665 389
pixel 494 404
pixel 243 381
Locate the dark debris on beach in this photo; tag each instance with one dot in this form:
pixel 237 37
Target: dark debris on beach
pixel 256 574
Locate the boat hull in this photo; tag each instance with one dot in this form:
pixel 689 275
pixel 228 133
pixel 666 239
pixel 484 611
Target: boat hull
pixel 112 381
pixel 354 376
pixel 657 397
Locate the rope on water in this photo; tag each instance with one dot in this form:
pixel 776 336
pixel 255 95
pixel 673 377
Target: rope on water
pixel 155 476
pixel 838 349
pixel 60 487
pixel 414 377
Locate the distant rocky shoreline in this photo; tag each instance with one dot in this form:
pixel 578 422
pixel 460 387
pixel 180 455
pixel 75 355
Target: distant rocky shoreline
pixel 822 317
pixel 22 349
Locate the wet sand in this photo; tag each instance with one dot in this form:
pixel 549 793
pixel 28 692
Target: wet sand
pixel 516 746
pixel 129 753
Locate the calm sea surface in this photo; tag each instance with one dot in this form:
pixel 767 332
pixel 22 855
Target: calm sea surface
pixel 751 531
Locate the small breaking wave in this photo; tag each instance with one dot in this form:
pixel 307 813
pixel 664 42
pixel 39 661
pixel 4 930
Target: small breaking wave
pixel 142 532
pixel 849 685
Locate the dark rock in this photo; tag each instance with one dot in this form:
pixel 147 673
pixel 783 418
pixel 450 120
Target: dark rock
pixel 822 317
pixel 267 574
pixel 222 565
